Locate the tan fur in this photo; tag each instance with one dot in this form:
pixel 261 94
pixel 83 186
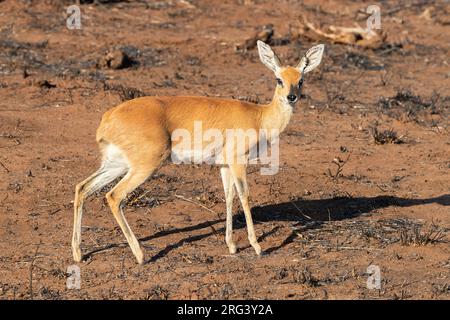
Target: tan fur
pixel 291 76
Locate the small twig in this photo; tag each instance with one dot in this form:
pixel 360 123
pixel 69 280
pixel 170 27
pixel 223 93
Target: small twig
pixel 31 271
pixel 55 211
pixel 4 167
pixel 6 197
pixel 204 207
pixel 140 197
pixel 197 203
pixel 345 248
pixel 306 216
pixel 47 104
pixel 17 141
pixel 379 187
pixel 340 166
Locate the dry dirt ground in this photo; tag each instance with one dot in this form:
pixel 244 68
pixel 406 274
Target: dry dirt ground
pixel 349 193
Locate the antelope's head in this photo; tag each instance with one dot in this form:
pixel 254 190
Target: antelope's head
pixel 290 79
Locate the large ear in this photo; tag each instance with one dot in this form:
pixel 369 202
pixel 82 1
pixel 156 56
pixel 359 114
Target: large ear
pixel 268 57
pixel 311 59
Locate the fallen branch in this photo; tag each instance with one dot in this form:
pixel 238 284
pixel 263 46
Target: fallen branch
pixel 343 35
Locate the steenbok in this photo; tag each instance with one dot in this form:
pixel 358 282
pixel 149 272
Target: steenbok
pixel 136 137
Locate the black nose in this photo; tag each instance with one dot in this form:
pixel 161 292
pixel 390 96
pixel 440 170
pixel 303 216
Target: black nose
pixel 292 97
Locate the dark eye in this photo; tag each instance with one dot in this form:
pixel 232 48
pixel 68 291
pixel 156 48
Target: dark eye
pixel 279 82
pixel 300 83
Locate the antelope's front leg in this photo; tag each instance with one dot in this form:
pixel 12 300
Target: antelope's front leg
pixel 240 181
pixel 228 187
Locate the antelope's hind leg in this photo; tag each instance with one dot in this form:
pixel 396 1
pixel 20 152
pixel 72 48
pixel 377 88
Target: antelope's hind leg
pixel 133 179
pixel 142 165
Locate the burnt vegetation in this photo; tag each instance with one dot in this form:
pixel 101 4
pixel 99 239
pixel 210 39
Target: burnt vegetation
pixel 405 105
pixel 386 136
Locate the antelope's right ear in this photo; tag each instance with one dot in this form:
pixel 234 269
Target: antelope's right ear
pixel 268 57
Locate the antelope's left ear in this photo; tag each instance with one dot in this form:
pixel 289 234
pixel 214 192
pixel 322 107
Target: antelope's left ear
pixel 311 59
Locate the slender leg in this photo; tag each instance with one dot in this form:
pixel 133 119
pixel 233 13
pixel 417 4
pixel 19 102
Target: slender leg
pixel 240 181
pixel 99 179
pixel 131 181
pixel 228 187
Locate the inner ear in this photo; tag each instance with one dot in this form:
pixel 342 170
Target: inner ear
pixel 268 57
pixel 311 59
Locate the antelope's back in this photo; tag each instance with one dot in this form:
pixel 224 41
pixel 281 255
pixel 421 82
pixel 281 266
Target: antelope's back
pixel 160 116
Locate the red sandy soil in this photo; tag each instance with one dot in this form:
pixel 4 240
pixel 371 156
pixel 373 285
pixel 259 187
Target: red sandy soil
pixel 319 229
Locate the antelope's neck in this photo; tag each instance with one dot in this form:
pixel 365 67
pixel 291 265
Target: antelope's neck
pixel 277 114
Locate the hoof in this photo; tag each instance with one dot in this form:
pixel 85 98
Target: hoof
pixel 257 249
pixel 232 248
pixel 140 257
